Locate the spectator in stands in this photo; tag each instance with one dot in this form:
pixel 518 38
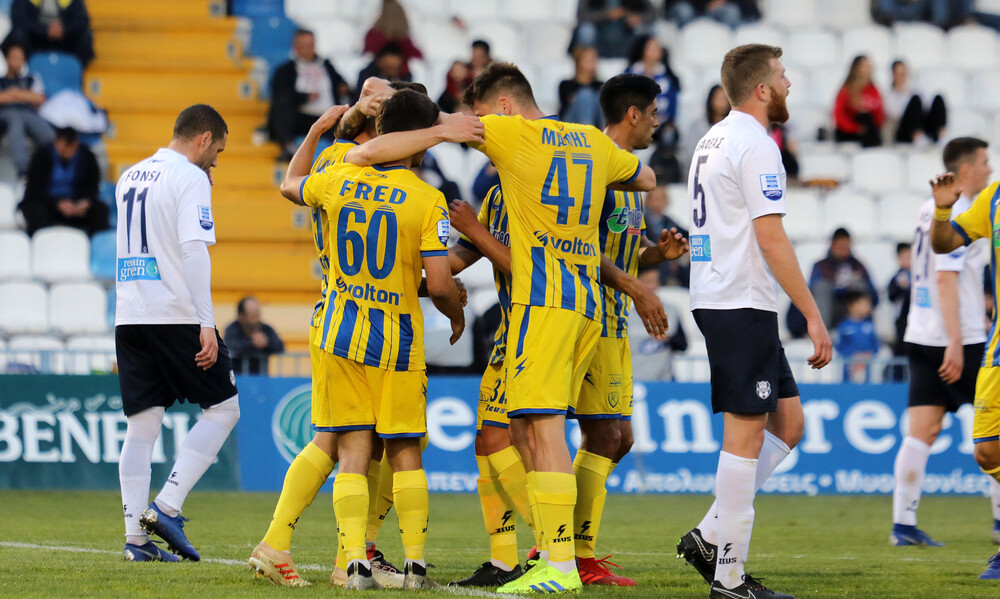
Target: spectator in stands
pixel 683 12
pixel 837 276
pixel 455 83
pixel 610 25
pixel 21 93
pixel 652 358
pixel 943 13
pixel 579 97
pixel 906 118
pixel 857 342
pixel 251 341
pixel 302 89
pixel 487 178
pixel 480 58
pixel 899 295
pixel 672 272
pixel 391 27
pixel 59 25
pixel 857 112
pixel 62 187
pixel 716 108
pixel 649 58
pixel 788 147
pixel 387 64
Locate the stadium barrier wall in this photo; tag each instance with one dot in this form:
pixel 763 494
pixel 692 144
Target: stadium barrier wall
pixel 66 432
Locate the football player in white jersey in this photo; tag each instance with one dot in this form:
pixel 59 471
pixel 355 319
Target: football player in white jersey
pixel 167 345
pixel 737 185
pixel 945 337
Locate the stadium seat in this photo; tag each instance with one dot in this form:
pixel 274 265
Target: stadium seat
pixel 806 122
pixel 852 209
pixel 58 70
pixel 471 12
pixel 952 84
pixel 60 254
pixel 968 122
pixel 800 94
pixel 810 253
pixel 15 256
pixel 8 207
pixel 336 37
pixel 920 168
pixel 878 171
pixel 879 257
pixel 89 354
pixel 972 47
pixel 704 43
pixel 823 166
pixel 43 353
pixel 506 41
pixel 921 45
pixel 530 10
pixel 102 256
pixel 844 15
pixel 874 41
pixel 305 11
pixel 608 68
pixel 759 33
pixel 824 85
pixel 548 42
pixel 791 14
pixel 450 159
pixel 258 8
pixel 271 38
pixel 678 204
pixel 804 212
pixel 986 90
pixel 898 213
pixel 443 41
pixel 812 48
pixel 78 308
pixel 23 308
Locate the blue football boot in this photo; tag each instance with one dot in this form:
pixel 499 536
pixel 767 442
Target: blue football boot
pixel 170 529
pixel 904 535
pixel 148 552
pixel 992 572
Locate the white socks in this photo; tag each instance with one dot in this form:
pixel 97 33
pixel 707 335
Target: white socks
pixel 197 453
pixel 911 465
pixel 134 469
pixel 734 491
pixel 500 565
pixel 995 497
pixel 772 453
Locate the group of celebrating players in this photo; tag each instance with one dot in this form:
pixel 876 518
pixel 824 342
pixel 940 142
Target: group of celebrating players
pixel 564 233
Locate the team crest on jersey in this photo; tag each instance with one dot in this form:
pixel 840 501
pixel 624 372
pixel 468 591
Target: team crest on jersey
pixel 923 297
pixel 763 389
pixel 444 230
pixel 623 220
pixel 996 236
pixel 770 186
pixel 205 217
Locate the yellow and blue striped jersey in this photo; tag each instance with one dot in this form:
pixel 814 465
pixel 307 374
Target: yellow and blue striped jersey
pixel 320 223
pixel 980 221
pixel 554 176
pixel 493 216
pixel 621 229
pixel 383 221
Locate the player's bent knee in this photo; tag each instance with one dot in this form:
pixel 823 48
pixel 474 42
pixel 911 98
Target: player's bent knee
pixel 987 455
pixel 225 414
pixel 494 439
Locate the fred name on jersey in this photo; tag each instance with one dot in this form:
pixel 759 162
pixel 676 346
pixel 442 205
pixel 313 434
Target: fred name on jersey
pixel 374 193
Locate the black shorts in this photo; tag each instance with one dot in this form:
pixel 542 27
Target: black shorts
pixel 749 369
pixel 926 386
pixel 156 367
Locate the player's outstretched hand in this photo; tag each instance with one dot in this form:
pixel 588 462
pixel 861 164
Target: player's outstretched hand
pixel 370 104
pixel 463 293
pixel 952 365
pixel 209 353
pixel 457 327
pixel 945 190
pixel 462 215
pixel 463 128
pixel 822 346
pixel 672 244
pixel 329 119
pixel 649 307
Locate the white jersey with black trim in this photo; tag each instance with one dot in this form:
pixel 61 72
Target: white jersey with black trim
pixel 163 201
pixel 925 325
pixel 736 176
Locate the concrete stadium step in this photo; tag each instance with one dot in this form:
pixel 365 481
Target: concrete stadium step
pixel 143 10
pixel 169 23
pixel 152 128
pixel 249 268
pixel 179 49
pixel 173 105
pixel 267 296
pixel 262 216
pixel 179 87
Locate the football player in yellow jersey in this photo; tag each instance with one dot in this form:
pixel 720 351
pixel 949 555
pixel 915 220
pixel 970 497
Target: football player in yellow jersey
pixel 604 410
pixel 948 234
pixel 389 224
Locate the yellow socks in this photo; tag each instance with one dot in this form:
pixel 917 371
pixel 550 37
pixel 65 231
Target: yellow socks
pixel 530 479
pixel 995 473
pixel 409 489
pixel 498 515
pixel 303 480
pixel 513 480
pixel 379 496
pixel 592 473
pixel 556 495
pixel 350 504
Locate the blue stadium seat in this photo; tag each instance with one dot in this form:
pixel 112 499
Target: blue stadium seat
pixel 58 70
pixel 259 8
pixel 271 39
pixel 102 255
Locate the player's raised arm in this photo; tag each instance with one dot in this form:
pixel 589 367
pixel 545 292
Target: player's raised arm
pixel 644 180
pixel 298 168
pixel 444 293
pixel 455 128
pixel 464 218
pixel 944 237
pixel 647 305
pixel 671 246
pixel 780 257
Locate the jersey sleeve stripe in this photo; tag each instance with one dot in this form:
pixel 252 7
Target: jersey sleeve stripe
pixel 538 278
pixel 638 168
pixel 302 188
pixel 427 253
pixel 373 350
pixel 345 332
pixel 958 229
pixel 986 439
pixel 468 245
pixel 405 342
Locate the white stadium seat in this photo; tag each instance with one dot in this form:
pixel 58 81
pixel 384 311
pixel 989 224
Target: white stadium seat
pixel 800 94
pixel 608 68
pixel 15 255
pixel 804 213
pixel 972 47
pixel 8 207
pixel 898 214
pixel 844 15
pixel 921 45
pixel 336 37
pixel 951 84
pixel 823 166
pixel 879 257
pixel 60 254
pixel 506 41
pixel 548 42
pixel 878 171
pixel 305 12
pixel 23 308
pixel 813 48
pixel 44 352
pixel 704 43
pixel 967 122
pixel 678 204
pixel 90 353
pixel 791 14
pixel 805 123
pixel 852 209
pixel 442 40
pixel 920 168
pixel 529 10
pixel 986 89
pixel 78 308
pixel 874 41
pixel 759 33
pixel 471 12
pixel 810 253
pixel 429 8
pixel 824 85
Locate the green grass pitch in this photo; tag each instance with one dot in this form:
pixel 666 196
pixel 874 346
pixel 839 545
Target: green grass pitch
pixel 68 544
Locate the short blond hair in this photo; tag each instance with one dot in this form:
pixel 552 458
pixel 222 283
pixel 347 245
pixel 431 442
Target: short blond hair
pixel 744 68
